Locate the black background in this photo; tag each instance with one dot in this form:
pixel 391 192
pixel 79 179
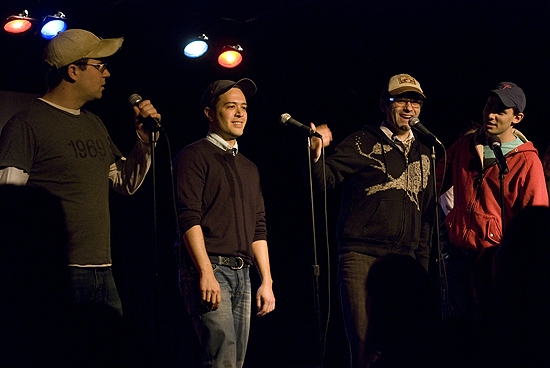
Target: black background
pixel 320 61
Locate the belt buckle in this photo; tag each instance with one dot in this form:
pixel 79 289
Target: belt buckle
pixel 240 264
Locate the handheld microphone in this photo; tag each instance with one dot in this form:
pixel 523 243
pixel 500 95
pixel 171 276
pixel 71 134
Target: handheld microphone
pixel 496 146
pixel 414 123
pixel 287 119
pixel 150 123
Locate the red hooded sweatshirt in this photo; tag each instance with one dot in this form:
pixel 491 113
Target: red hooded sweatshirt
pixel 475 222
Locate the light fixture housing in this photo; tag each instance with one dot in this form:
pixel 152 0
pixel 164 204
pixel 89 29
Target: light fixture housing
pixel 21 23
pixel 197 47
pixel 52 25
pixel 230 56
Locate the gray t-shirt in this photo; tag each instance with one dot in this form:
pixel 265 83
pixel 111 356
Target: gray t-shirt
pixel 69 156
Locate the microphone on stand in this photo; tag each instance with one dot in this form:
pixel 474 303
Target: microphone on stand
pixel 414 123
pixel 287 119
pixel 150 123
pixel 496 146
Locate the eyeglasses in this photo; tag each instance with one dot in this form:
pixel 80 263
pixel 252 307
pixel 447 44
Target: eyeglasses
pixel 401 102
pixel 100 66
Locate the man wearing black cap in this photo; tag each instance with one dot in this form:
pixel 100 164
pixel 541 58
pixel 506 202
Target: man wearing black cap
pixel 387 201
pixel 476 220
pixel 56 145
pixel 221 217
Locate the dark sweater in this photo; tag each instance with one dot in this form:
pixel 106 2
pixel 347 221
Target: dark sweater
pixel 387 201
pixel 221 193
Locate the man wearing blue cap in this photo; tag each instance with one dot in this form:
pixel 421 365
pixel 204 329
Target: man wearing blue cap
pixel 221 217
pixel 488 191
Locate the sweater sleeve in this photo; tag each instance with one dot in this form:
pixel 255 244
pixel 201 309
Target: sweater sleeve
pixel 345 161
pixel 260 232
pixel 190 179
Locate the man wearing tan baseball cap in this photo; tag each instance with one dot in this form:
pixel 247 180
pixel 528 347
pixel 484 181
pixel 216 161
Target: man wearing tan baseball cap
pixel 76 44
pixel 56 145
pixel 386 206
pixel 402 83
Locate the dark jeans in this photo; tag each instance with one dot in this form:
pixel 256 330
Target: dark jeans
pixel 94 285
pixel 352 284
pixel 459 266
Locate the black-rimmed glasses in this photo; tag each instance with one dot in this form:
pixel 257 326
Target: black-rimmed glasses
pixel 403 102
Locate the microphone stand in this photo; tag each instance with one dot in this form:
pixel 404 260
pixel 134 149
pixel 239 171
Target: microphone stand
pixel 443 288
pixel 494 144
pixel 153 143
pixel 316 269
pixel 501 174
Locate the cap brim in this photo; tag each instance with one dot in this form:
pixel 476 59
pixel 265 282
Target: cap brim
pixel 105 48
pixel 218 88
pixel 405 89
pixel 504 98
pixel 247 86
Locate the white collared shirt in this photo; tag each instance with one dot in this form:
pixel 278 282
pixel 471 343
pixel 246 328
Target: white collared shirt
pixel 218 141
pixel 395 138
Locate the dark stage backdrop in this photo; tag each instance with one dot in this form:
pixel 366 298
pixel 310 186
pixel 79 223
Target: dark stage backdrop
pixel 11 102
pixel 321 61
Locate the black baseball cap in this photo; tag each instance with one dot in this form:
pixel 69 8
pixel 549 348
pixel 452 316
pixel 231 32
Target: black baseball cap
pixel 219 87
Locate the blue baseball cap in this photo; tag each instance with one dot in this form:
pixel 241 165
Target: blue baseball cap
pixel 510 95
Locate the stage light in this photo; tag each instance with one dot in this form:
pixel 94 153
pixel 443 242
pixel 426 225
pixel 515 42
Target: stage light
pixel 19 23
pixel 230 56
pixel 197 47
pixel 52 25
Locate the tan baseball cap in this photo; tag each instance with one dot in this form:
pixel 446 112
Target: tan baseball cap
pixel 75 44
pixel 402 83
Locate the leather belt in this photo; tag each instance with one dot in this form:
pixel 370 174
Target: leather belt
pixel 236 263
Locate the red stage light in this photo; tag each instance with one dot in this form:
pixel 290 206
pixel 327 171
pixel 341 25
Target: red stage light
pixel 18 23
pixel 231 56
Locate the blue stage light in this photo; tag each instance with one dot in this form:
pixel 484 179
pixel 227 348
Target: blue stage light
pixel 196 48
pixel 52 25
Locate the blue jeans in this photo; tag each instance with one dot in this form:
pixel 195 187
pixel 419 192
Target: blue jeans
pixel 352 286
pixel 223 333
pixel 94 285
